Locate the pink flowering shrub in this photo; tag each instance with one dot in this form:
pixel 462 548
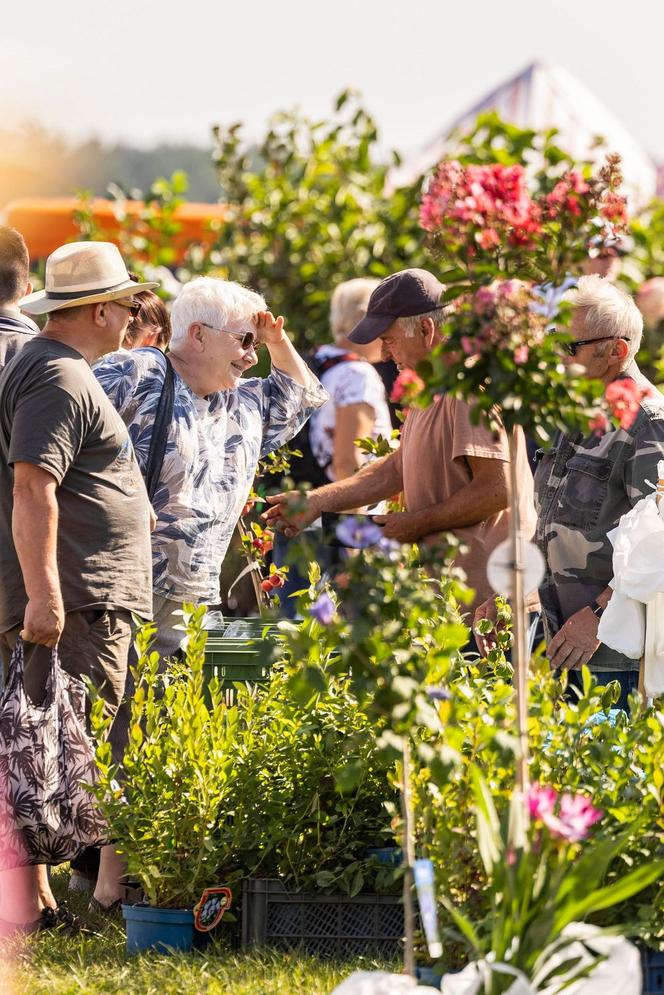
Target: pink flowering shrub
pixel 624 398
pixel 406 388
pixel 514 217
pixel 479 214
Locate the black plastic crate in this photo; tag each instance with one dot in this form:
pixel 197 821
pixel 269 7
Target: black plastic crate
pixel 652 962
pixel 322 925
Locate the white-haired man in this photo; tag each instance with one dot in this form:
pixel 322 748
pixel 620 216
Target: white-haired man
pixel 583 487
pixel 453 474
pixel 221 425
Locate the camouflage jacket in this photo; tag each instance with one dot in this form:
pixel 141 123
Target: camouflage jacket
pixel 583 486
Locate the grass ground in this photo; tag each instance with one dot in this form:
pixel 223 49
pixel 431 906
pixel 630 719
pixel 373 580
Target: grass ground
pixel 95 964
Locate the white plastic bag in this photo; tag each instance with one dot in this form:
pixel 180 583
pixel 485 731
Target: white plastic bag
pixel 653 664
pixel 633 622
pixel 618 974
pixel 381 983
pixel 623 626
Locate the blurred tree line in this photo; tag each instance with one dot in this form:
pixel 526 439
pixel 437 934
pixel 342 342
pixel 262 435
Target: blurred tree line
pixel 36 162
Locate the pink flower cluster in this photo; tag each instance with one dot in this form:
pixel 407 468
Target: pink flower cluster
pixel 565 196
pixel 494 199
pixel 499 316
pixel 566 816
pixel 614 209
pixel 624 398
pixel 406 387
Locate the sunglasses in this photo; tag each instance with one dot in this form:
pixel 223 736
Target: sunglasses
pixel 572 347
pixel 247 339
pixel 133 307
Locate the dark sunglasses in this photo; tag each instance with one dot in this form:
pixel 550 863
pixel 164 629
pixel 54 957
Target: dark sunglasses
pixel 134 307
pixel 246 339
pixel 572 347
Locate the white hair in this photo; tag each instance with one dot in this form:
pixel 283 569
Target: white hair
pixel 607 311
pixel 349 305
pixel 219 303
pixel 412 323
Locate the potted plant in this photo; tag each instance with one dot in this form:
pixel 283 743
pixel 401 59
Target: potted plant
pixel 166 801
pixel 545 876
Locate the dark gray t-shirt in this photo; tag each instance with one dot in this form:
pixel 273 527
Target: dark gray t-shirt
pixel 54 414
pixel 16 330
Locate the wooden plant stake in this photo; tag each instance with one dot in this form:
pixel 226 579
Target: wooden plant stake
pixel 520 648
pixel 409 857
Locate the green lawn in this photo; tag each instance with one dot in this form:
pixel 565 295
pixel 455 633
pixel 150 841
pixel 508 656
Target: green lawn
pixel 53 964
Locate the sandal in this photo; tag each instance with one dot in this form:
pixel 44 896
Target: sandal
pixel 97 909
pixel 61 917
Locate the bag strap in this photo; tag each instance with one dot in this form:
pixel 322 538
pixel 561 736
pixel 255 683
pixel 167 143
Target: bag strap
pixel 162 421
pixel 321 366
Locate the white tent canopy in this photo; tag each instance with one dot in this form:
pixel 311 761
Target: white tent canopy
pixel 545 96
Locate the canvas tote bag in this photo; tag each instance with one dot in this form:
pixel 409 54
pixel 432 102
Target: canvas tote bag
pixel 46 756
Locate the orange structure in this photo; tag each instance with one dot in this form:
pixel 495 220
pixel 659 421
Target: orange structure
pixel 47 222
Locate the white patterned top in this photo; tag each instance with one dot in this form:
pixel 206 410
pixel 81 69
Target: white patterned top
pixel 349 382
pixel 212 451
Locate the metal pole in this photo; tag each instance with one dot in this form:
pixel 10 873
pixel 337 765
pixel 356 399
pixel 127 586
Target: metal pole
pixel 520 648
pixel 409 855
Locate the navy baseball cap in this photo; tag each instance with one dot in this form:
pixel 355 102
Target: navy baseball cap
pixel 401 295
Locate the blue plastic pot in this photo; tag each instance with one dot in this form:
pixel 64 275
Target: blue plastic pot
pixel 165 930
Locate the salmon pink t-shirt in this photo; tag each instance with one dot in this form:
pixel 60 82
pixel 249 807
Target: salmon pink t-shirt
pixel 435 445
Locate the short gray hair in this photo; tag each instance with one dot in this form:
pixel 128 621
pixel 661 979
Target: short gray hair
pixel 349 305
pixel 220 303
pixel 607 311
pixel 412 323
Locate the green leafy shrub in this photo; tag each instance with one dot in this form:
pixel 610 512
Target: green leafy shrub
pixel 211 792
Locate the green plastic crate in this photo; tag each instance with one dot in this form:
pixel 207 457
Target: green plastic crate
pixel 237 658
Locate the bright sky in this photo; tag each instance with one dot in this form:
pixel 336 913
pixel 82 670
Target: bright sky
pixel 145 70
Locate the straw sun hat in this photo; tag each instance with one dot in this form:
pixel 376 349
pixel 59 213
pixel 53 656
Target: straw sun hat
pixel 83 273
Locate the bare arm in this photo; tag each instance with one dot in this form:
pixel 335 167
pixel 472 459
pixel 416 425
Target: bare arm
pixel 35 532
pixel 486 494
pixel 374 482
pixel 352 421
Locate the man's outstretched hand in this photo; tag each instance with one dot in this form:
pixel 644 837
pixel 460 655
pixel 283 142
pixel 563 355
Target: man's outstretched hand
pixel 290 512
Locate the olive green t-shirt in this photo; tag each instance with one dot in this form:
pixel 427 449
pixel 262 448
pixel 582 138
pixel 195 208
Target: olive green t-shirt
pixel 54 414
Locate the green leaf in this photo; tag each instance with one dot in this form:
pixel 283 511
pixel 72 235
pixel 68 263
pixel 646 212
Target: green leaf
pixel 464 925
pixel 613 894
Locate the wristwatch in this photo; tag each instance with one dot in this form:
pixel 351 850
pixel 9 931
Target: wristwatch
pixel 596 609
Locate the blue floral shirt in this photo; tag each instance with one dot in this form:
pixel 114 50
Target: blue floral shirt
pixel 212 451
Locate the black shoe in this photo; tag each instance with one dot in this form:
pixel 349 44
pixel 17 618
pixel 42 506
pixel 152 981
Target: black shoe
pixel 62 918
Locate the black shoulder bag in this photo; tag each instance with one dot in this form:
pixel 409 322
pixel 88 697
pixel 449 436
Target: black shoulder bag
pixel 162 421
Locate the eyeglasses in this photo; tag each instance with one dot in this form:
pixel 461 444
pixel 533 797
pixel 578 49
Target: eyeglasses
pixel 572 347
pixel 133 307
pixel 247 339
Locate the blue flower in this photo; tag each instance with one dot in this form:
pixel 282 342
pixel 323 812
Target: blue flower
pixel 438 693
pixel 324 609
pixel 357 533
